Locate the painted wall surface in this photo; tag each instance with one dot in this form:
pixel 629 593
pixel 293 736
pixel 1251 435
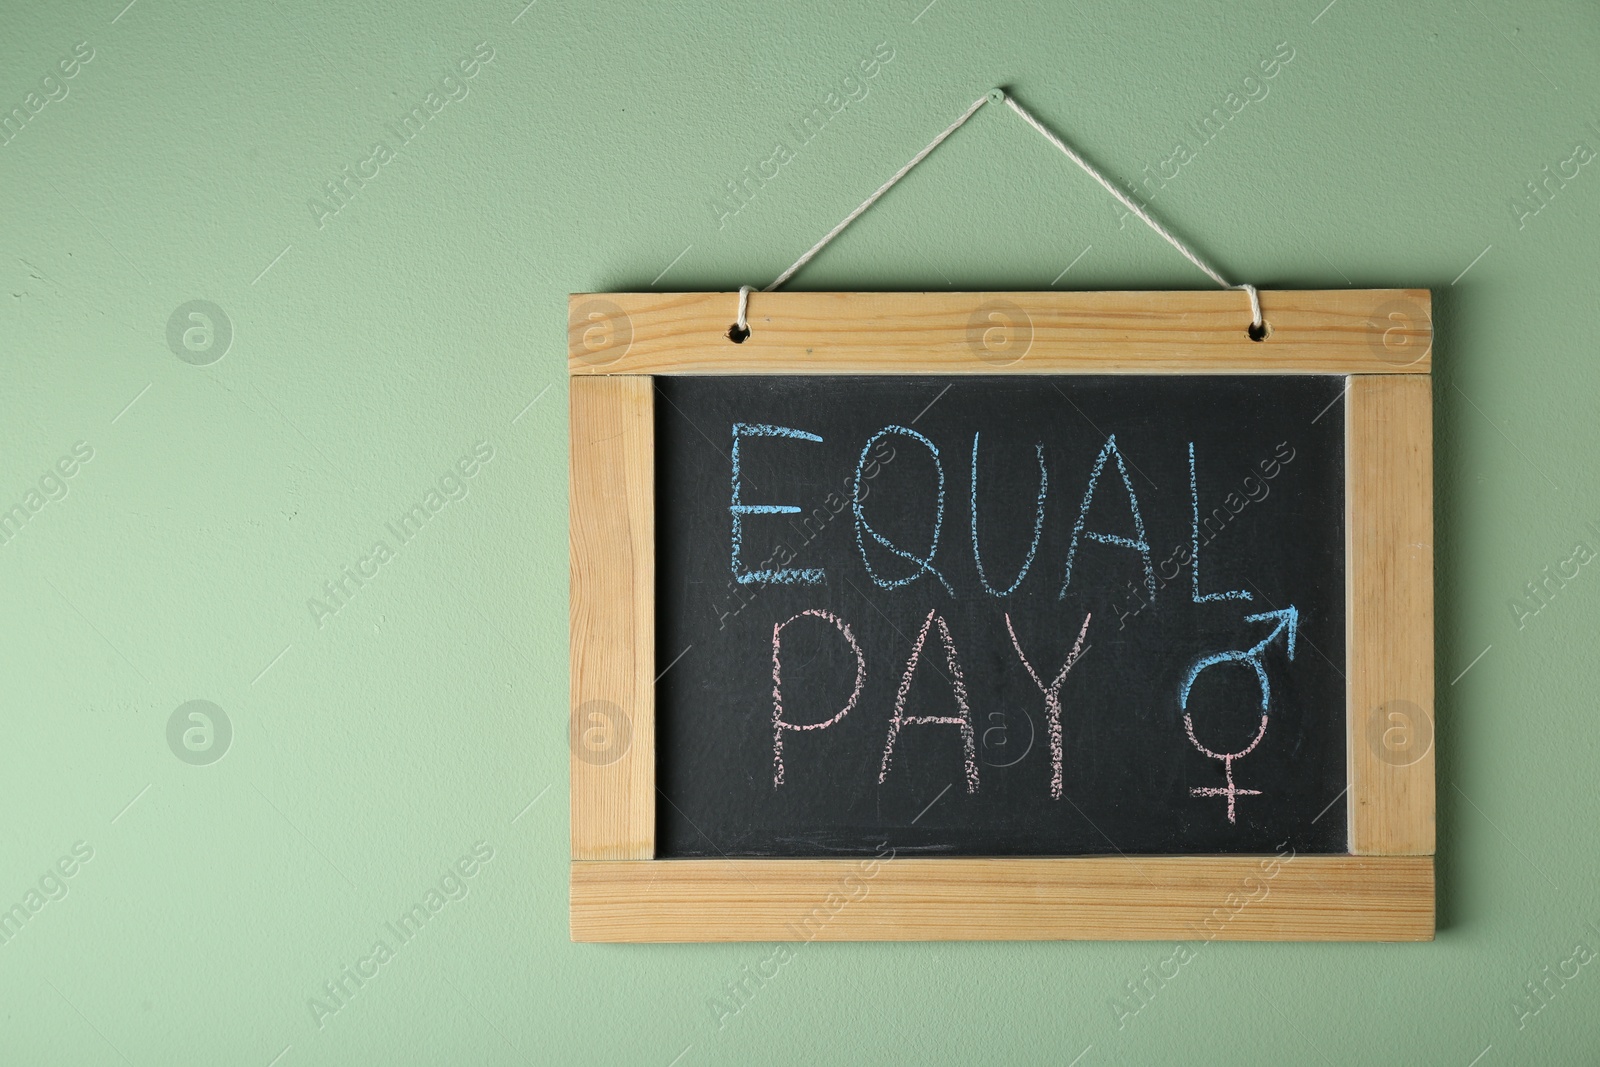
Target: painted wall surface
pixel 383 207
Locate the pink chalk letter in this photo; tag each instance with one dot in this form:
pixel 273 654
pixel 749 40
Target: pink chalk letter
pixel 778 723
pixel 1052 697
pixel 963 720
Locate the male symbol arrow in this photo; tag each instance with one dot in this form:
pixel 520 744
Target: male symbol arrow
pixel 1288 619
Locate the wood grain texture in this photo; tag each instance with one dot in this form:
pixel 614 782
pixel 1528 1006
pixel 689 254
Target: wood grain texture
pixel 1389 455
pixel 1351 331
pixel 612 545
pixel 1383 892
pixel 1233 898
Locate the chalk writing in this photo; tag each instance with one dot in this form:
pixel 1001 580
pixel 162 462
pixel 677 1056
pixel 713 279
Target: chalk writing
pixel 924 564
pixel 1287 619
pixel 1194 541
pixel 1038 523
pixel 890 573
pixel 811 527
pixel 778 723
pixel 738 510
pixel 957 686
pixel 1139 544
pixel 1184 554
pixel 1052 697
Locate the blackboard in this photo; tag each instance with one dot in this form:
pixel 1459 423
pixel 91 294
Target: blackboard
pixel 1197 522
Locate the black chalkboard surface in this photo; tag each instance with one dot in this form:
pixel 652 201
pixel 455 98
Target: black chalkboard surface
pixel 818 535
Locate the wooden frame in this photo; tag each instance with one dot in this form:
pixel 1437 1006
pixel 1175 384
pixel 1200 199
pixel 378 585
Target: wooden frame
pixel 1383 890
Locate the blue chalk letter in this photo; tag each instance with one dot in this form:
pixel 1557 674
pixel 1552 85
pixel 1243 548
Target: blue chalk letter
pixel 1138 543
pixel 1194 545
pixel 924 564
pixel 1038 523
pixel 782 575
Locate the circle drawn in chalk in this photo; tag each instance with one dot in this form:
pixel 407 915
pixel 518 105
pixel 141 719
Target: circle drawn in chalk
pixel 601 732
pixel 1400 733
pixel 1391 325
pixel 199 333
pixel 199 732
pixel 997 741
pixel 1000 333
pixel 599 331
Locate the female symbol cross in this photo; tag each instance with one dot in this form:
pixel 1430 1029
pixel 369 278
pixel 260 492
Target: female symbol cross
pixel 1288 619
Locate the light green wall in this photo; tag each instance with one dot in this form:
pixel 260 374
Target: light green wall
pixel 371 751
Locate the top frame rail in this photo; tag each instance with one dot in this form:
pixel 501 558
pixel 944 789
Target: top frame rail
pixel 1340 331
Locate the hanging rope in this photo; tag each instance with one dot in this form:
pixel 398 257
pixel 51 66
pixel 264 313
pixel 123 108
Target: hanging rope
pixel 741 328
